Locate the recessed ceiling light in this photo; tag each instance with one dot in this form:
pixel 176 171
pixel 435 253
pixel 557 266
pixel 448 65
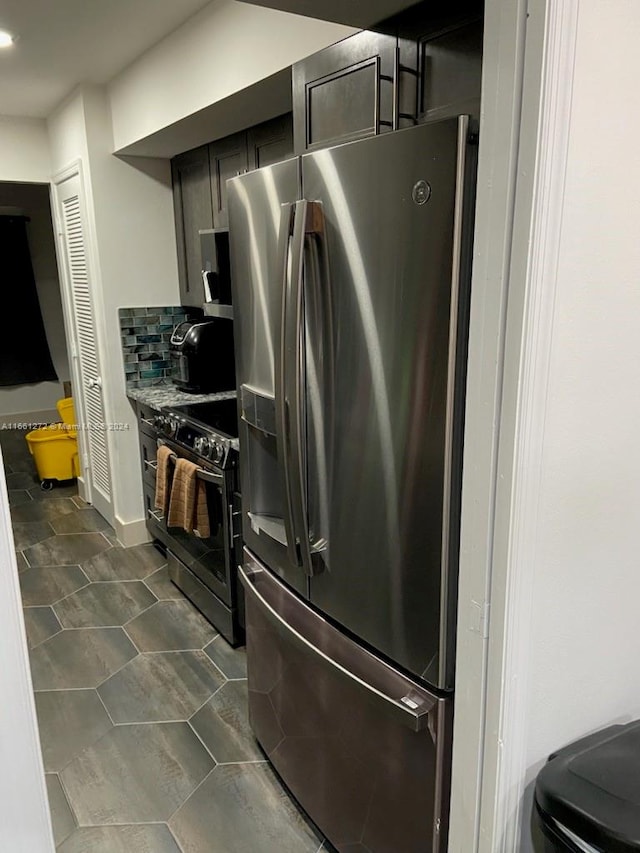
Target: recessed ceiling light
pixel 6 39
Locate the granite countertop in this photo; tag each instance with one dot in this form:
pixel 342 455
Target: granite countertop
pixel 164 395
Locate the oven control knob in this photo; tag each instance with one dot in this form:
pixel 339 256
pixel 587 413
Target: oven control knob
pixel 202 446
pixel 218 452
pixel 164 424
pixel 170 426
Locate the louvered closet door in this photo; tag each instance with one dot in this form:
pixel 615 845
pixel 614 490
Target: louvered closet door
pixel 87 375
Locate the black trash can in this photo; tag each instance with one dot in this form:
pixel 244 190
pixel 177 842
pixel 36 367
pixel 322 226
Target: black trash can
pixel 587 796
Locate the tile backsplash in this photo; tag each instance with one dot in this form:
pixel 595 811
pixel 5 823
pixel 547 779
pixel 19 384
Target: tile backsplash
pixel 145 334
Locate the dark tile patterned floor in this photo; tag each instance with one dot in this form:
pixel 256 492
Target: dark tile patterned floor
pixel 142 707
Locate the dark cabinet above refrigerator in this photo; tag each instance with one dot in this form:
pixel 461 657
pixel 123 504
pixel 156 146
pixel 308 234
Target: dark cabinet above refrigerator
pixel 345 91
pixel 420 65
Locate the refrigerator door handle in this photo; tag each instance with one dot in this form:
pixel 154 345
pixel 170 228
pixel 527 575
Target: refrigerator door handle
pixel 282 383
pixel 320 348
pixel 295 375
pixel 409 704
pixel 291 382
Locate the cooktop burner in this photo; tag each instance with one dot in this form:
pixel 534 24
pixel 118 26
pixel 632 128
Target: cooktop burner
pixel 219 416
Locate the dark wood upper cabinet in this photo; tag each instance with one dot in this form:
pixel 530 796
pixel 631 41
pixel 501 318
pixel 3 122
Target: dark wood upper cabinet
pixel 442 39
pixel 451 71
pixel 227 158
pixel 270 142
pixel 193 211
pixel 345 91
pixel 421 65
pixel 200 190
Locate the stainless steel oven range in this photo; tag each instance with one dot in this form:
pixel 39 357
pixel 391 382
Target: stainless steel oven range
pixel 205 569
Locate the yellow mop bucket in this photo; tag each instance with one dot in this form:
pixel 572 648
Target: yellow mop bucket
pixel 66 411
pixel 55 447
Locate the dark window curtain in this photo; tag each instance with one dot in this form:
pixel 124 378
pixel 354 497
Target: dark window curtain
pixel 24 351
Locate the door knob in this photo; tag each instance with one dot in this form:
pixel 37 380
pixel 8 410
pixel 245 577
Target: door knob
pixel 95 383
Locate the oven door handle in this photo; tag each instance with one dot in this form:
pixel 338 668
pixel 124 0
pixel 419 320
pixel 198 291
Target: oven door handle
pixel 209 476
pixel 201 473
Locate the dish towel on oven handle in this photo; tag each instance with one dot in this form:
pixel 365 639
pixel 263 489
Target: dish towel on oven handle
pixel 163 479
pixel 188 502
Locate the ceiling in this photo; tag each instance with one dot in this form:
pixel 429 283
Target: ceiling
pixel 355 13
pixel 62 43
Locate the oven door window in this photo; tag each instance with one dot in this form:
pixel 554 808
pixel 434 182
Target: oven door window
pixel 208 558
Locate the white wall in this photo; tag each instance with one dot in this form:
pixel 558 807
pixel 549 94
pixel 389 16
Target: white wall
pixel 66 134
pixel 136 244
pixel 130 207
pixel 222 49
pixel 585 644
pixel 24 150
pixel 24 812
pixel 130 212
pixel 39 397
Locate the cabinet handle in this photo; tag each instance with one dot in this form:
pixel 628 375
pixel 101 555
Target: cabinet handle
pixel 395 121
pixel 155 516
pixel 376 103
pixel 232 527
pixel 152 465
pixel 147 422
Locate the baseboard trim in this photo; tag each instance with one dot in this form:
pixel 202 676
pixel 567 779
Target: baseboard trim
pixel 131 533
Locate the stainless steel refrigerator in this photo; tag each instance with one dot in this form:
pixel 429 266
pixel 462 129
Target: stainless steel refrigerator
pixel 350 294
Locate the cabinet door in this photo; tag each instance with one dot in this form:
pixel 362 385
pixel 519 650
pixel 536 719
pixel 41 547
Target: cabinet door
pixel 146 414
pixel 149 455
pixel 451 72
pixel 228 158
pixel 345 91
pixel 193 211
pixel 270 142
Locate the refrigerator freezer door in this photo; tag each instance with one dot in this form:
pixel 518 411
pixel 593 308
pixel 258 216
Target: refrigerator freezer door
pixel 381 303
pixel 261 205
pixel 364 750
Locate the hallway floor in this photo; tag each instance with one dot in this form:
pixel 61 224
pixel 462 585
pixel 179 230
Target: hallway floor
pixel 142 707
